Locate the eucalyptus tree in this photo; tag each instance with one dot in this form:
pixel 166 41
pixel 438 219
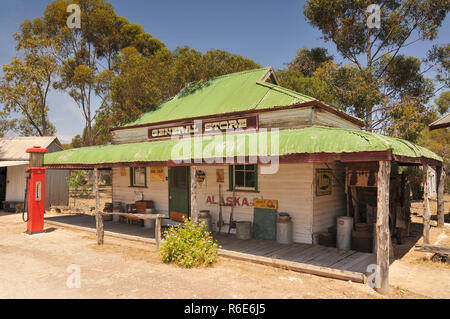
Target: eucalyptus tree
pixel 378 82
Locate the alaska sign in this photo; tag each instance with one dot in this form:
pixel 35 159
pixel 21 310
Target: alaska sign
pixel 206 127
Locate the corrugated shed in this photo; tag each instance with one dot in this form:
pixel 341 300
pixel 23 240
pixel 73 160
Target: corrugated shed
pixel 13 148
pixel 441 123
pixel 310 140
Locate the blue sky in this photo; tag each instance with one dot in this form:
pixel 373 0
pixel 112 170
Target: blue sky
pixel 266 31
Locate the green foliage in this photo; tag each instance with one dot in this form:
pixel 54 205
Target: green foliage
pixel 189 245
pixel 143 82
pixel 380 85
pixel 308 60
pixel 106 177
pixel 25 85
pixel 86 54
pixel 78 184
pixel 313 86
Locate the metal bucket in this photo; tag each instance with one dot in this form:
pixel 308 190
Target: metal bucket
pixel 243 230
pixel 284 228
pixel 205 216
pixel 344 232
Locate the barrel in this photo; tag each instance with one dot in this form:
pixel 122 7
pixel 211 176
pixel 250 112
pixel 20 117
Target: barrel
pixel 243 230
pixel 205 216
pixel 284 228
pixel 344 232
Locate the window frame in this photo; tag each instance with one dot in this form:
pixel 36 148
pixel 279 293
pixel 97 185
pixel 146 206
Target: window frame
pixel 132 177
pixel 232 178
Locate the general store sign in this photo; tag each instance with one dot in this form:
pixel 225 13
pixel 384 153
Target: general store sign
pixel 204 127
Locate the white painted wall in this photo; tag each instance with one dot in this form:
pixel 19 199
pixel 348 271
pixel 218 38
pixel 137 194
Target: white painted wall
pixel 15 182
pixel 292 186
pixel 328 207
pixel 158 192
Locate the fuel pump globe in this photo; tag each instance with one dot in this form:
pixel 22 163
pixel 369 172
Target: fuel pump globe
pixel 35 190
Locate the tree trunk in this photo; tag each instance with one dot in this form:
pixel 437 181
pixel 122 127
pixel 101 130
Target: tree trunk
pixel 426 206
pixel 440 172
pixel 98 215
pixel 382 227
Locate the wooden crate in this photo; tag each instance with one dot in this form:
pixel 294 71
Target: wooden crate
pixel 142 205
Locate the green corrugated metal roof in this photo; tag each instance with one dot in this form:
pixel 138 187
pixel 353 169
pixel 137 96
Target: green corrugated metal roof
pixel 315 139
pixel 233 92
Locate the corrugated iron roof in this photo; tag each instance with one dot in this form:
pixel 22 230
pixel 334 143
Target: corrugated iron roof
pixel 441 123
pixel 311 140
pixel 235 92
pixel 13 148
pixel 12 163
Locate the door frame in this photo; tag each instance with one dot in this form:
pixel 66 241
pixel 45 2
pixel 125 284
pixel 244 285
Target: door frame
pixel 188 188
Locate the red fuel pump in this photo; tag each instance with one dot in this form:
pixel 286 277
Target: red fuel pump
pixel 34 193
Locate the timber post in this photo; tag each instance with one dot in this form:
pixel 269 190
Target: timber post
pixel 194 204
pixel 158 232
pixel 440 172
pixel 426 206
pixel 98 214
pixel 382 227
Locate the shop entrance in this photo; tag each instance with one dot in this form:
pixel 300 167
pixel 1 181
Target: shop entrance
pixel 179 192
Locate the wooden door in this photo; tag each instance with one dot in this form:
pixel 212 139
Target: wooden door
pixel 2 185
pixel 179 192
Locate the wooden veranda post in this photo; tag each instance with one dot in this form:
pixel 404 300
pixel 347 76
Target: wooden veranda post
pixel 382 227
pixel 426 207
pixel 194 204
pixel 98 215
pixel 440 172
pixel 158 232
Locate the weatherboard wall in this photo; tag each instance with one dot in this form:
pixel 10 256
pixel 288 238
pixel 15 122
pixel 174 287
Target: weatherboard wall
pixel 291 186
pixel 281 119
pixel 158 192
pixel 327 207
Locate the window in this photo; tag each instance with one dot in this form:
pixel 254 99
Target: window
pixel 244 177
pixel 138 177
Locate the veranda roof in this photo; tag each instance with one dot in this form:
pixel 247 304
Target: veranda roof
pixel 312 144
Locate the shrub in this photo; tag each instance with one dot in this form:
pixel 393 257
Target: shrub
pixel 189 245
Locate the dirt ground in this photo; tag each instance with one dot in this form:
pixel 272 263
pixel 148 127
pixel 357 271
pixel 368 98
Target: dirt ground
pixel 37 267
